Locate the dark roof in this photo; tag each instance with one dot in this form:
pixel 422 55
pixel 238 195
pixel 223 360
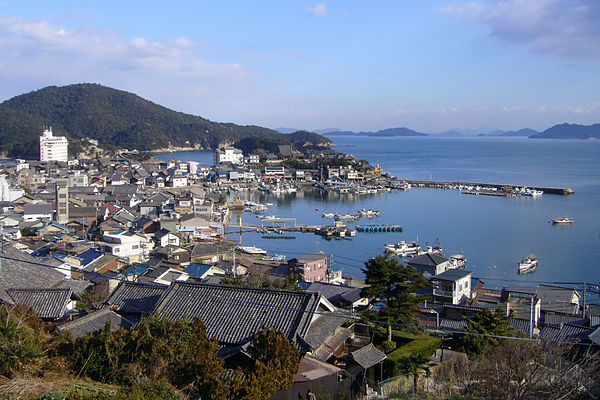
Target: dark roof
pixel 136 298
pixel 452 275
pixel 323 327
pixel 327 290
pixel 520 324
pixel 94 322
pixel 559 299
pixel 38 209
pixel 234 314
pixel 427 259
pixel 452 324
pixel 557 319
pixel 595 336
pixel 368 356
pixel 47 303
pixel 311 257
pixel 565 332
pixel 23 271
pixel 196 270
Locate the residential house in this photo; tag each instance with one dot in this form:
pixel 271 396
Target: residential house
pixel 452 286
pixel 429 264
pixel 310 267
pixel 127 244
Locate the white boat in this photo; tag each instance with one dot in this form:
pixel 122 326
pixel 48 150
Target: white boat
pixel 457 261
pixel 403 247
pixel 563 220
pixel 528 263
pixel 252 250
pixel 327 215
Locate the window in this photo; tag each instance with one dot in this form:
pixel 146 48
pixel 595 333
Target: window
pixel 135 247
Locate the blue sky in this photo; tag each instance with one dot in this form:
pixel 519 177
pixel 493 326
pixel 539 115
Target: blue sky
pixel 430 65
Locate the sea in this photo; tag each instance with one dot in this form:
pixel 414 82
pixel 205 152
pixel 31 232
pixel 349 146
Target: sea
pixel 494 233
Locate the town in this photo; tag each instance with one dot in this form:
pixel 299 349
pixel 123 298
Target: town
pixel 105 240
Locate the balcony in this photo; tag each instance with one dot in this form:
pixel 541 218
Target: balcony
pixel 443 293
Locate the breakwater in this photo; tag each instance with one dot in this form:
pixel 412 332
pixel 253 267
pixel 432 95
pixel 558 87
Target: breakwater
pixel 497 186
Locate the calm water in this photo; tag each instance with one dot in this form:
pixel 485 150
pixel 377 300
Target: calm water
pixel 493 233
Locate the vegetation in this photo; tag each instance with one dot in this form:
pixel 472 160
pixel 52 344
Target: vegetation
pixel 395 284
pixel 117 119
pixel 485 326
pixel 160 359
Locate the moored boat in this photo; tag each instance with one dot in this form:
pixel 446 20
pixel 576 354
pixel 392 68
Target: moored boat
pixel 528 263
pixel 562 220
pixel 403 247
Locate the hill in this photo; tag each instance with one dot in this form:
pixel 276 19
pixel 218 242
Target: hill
pixel 570 131
pixel 383 132
pixel 117 119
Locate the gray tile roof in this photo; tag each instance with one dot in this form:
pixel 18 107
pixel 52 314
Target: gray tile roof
pixel 557 319
pixel 427 259
pixel 20 270
pixel 234 314
pixel 595 336
pixel 94 322
pixel 47 303
pixel 566 332
pixel 368 356
pixel 452 275
pixel 136 298
pixel 452 324
pixel 323 327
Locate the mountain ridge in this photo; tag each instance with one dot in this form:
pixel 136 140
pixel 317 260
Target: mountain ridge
pixel 117 119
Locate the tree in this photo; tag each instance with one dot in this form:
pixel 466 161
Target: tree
pixel 484 326
pixel 395 284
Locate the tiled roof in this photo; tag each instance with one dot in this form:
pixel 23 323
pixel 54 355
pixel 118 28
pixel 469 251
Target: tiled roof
pixel 595 336
pixel 47 303
pixel 136 298
pixel 427 259
pixel 368 356
pixel 23 274
pixel 453 274
pixel 566 332
pixel 234 314
pixel 557 319
pixel 322 327
pixel 520 324
pixel 452 324
pixel 94 322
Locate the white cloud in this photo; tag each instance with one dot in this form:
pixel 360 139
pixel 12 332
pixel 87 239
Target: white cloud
pixel 557 28
pixel 320 10
pixel 37 53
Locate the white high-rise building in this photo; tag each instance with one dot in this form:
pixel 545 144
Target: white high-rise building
pixel 53 148
pixel 229 154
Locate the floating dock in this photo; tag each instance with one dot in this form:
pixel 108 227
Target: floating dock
pixel 379 228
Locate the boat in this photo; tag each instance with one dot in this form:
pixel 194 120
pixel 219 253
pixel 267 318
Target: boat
pixel 252 250
pixel 563 220
pixel 403 247
pixel 457 261
pixel 528 263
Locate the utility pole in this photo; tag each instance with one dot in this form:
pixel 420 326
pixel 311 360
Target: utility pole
pixel 234 269
pixel 531 318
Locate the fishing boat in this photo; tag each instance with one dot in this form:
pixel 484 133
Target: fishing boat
pixel 252 250
pixel 562 220
pixel 528 263
pixel 403 247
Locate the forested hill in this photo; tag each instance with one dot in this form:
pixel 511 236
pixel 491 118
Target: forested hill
pixel 570 131
pixel 117 119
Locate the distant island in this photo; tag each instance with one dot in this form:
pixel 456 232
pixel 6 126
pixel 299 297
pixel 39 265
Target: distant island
pixel 561 131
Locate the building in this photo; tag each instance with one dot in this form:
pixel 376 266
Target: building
pixel 452 286
pixel 310 268
pixel 62 200
pixel 229 154
pixel 53 148
pixel 428 263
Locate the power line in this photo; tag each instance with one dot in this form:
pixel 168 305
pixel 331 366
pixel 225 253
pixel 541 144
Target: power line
pixel 326 314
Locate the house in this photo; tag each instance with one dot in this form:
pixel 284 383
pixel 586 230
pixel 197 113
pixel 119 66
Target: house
pixel 127 244
pixel 523 302
pixel 209 253
pixel 558 299
pixel 37 212
pixel 429 264
pixel 201 271
pixel 229 154
pixel 162 275
pixel 310 268
pixel 452 286
pixel 164 238
pixel 173 254
pixel 340 296
pixel 21 270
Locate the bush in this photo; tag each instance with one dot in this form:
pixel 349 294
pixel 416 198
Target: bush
pixel 388 346
pixel 402 359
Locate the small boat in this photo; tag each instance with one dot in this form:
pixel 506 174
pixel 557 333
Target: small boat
pixel 457 261
pixel 528 263
pixel 252 250
pixel 563 220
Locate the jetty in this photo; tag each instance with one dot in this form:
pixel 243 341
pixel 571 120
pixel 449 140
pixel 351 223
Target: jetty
pixel 497 186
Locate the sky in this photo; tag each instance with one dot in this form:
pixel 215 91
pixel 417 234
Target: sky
pixel 429 65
